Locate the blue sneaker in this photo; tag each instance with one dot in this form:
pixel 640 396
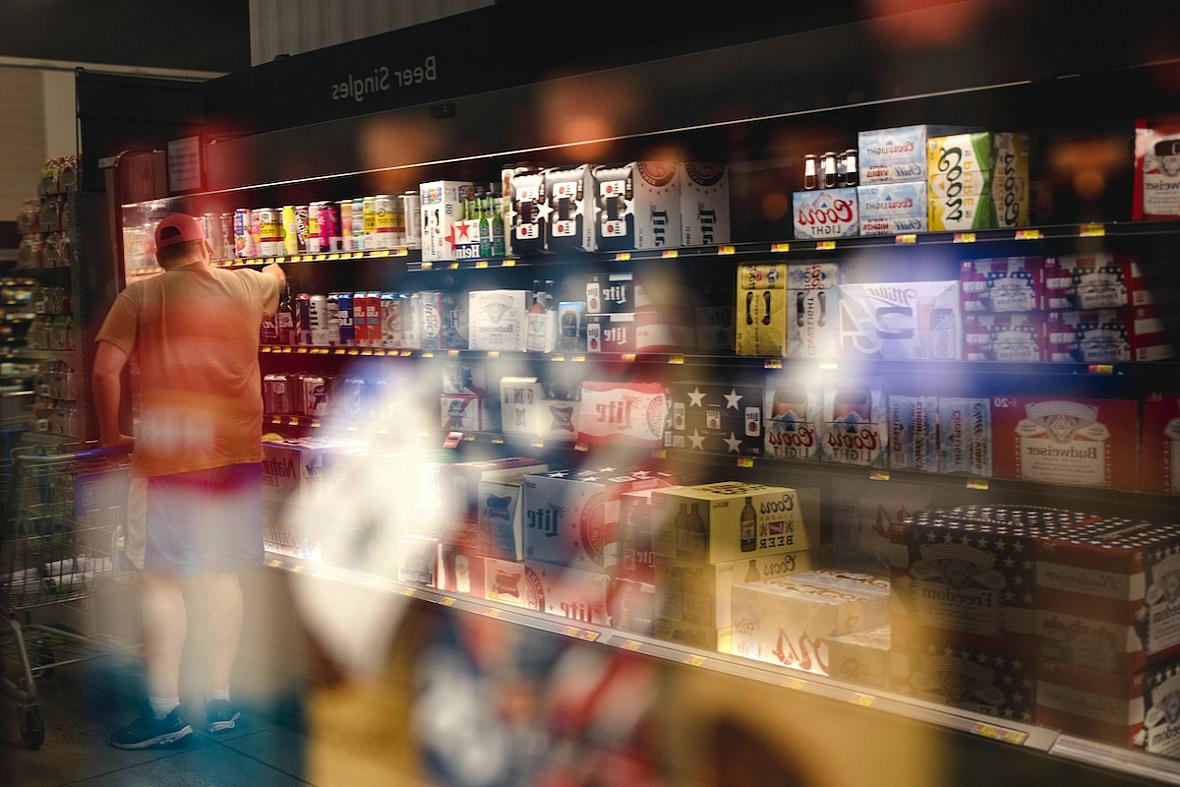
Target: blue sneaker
pixel 148 731
pixel 220 716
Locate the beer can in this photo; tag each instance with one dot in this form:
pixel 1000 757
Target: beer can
pixel 360 318
pixel 290 230
pixel 270 232
pixel 302 220
pixel 345 323
pixel 243 233
pixel 372 311
pixel 212 223
pixel 399 223
pixel 383 221
pixel 368 222
pixel 226 250
pixel 319 227
pixel 276 394
pixel 303 319
pixel 329 227
pixel 315 395
pixel 358 224
pixel 347 397
pixel 412 210
pixel 345 225
pixel 390 319
pixel 321 321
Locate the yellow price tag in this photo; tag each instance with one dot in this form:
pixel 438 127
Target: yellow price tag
pixel 402 253
pixel 964 237
pixel 745 461
pixel 590 636
pixel 1028 235
pixel 497 441
pixel 1101 368
pixel 407 591
pixel 333 257
pixel 453 353
pixel 453 266
pixel 579 359
pixel 622 256
pixel 878 475
pixel 380 253
pixel 427 266
pixel 366 352
pixel 379 353
pixel 538 444
pixel 265 348
pixel 492 612
pixel 301 350
pixel 557 358
pixel 905 240
pixel 825 245
pixel 780 248
pixel 631 645
pixel 796 683
pixel 508 264
pixel 676 360
pixel 670 254
pixel 427 354
pixel 340 351
pixel 447 601
pixel 829 366
pixel 581 447
pixel 982 484
pixel 481 263
pixel 726 250
pixel 1092 230
pixel 353 351
pixel 627 357
pixel 406 353
pixel 493 353
pixel 863 700
pixel 773 363
pixel 695 661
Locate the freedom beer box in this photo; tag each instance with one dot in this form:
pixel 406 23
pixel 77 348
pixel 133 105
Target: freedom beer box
pixel 1097 281
pixel 571 209
pixel 793 410
pixel 822 214
pixel 731 520
pixel 915 320
pixel 1006 337
pixel 442 208
pixel 913 433
pixel 637 206
pixel 890 155
pixel 761 310
pixel 965 436
pixel 622 414
pixel 853 426
pixel 704 203
pixel 861 657
pixel 1090 442
pixel 892 208
pixel 812 307
pixel 1006 284
pixel 571 516
pixel 1107 336
pixel 1159 455
pixel 721 419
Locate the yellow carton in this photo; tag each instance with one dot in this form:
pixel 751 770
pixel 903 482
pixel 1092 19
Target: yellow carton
pixel 761 311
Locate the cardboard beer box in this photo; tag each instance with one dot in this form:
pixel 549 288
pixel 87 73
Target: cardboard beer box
pixel 960 213
pixel 419 560
pixel 1006 284
pixel 497 319
pixel 458 484
pixel 860 525
pixel 812 308
pixel 463 413
pixel 861 657
pixel 637 206
pixel 915 320
pixel 965 436
pixel 464 378
pixel 611 333
pixel 442 321
pixel 793 410
pixel 622 414
pixel 571 516
pixel 1019 338
pixel 571 326
pixel 579 596
pixel 823 214
pixel 610 293
pixel 960 165
pixel 704 203
pixel 978 180
pixel 1107 336
pixel 702 594
pixel 722 419
pixel 663 322
pixel 1159 455
pixel 1010 178
pixel 853 426
pixel 529 214
pixel 1098 281
pixel 892 208
pixel 761 310
pixel 530 407
pixel 1090 442
pixel 571 204
pixel 890 155
pixel 633 606
pixel 288 466
pixel 1157 170
pixel 462 571
pixel 703 637
pixel 715 329
pixel 442 207
pixel 505 581
pixel 636 551
pixel 500 519
pixel 731 520
pixel 913 433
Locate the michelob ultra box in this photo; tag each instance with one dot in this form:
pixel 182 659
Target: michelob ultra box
pixel 570 193
pixel 914 320
pixel 1159 455
pixel 892 208
pixel 854 430
pixel 913 433
pixel 892 155
pixel 761 310
pixel 731 520
pixel 826 213
pixel 442 207
pixel 497 319
pixel 812 310
pixel 529 213
pixel 965 436
pixel 704 203
pixel 1091 442
pixel 861 657
pixel 637 206
pixel 793 410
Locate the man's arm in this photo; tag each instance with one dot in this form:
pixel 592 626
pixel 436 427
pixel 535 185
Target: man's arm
pixel 275 272
pixel 108 393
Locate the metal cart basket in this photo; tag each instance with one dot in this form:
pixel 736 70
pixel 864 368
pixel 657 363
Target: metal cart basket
pixel 63 509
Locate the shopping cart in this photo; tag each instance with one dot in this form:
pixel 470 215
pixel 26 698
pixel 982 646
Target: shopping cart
pixel 64 508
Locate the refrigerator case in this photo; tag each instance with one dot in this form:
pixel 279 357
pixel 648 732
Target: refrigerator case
pixel 721 419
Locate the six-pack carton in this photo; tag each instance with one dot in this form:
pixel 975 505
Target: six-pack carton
pixel 761 310
pixel 1005 284
pixel 442 208
pixel 1159 453
pixel 704 203
pixel 917 320
pixel 1107 336
pixel 793 410
pixel 637 206
pixel 813 310
pixel 725 419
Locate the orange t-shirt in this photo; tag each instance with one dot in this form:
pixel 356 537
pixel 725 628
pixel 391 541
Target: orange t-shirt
pixel 194 333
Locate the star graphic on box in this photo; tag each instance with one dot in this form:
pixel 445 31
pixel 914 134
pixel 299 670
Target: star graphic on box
pixel 463 228
pixel 734 444
pixel 450 236
pixel 698 440
pixel 696 397
pixel 732 398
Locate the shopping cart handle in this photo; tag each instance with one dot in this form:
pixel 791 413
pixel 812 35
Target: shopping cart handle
pixel 103 453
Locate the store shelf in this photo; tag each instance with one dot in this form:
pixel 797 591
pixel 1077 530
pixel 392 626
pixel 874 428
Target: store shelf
pixel 340 256
pixel 1004 731
pixel 47 355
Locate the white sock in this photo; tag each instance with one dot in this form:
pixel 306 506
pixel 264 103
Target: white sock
pixel 218 694
pixel 162 706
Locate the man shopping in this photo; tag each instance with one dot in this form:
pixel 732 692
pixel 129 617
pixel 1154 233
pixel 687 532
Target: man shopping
pixel 193 331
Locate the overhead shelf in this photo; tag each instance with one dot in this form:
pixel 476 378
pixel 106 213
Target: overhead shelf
pixel 46 355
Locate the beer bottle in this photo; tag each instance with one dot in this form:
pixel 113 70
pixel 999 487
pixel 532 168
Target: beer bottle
pixel 497 224
pixel 285 318
pixel 752 572
pixel 483 209
pixel 749 527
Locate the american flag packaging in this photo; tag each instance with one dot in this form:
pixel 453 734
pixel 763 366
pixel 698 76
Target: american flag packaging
pixel 720 419
pixel 1096 281
pixel 1008 337
pixel 1107 336
pixel 1006 284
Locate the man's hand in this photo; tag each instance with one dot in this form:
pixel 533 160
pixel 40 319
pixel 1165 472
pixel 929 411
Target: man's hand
pixel 122 442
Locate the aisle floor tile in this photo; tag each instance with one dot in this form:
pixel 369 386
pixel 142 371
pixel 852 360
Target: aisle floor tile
pixel 197 767
pixel 277 747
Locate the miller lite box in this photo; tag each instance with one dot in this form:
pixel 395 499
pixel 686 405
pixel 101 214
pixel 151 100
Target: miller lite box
pixel 579 596
pixel 636 552
pixel 419 560
pixel 822 214
pixel 717 419
pixel 610 293
pixel 1107 336
pixel 497 319
pixel 732 520
pixel 702 594
pixel 442 320
pixel 1091 442
pixel 1005 337
pixel 462 571
pixel 1159 455
pixel 538 409
pixel 793 409
pixel 530 212
pixel 571 209
pixel 500 519
pixel 571 516
pixel 965 436
pixel 633 606
pixel 1157 170
pixel 1007 284
pixel 913 433
pixel 637 206
pixel 853 426
pixel 914 320
pixel 458 484
pixel 789 621
pixel 892 155
pixel 812 310
pixel 761 310
pixel 442 207
pixel 1097 281
pixel 704 203
pixel 861 657
pixel 610 333
pixel 892 208
pixel 622 414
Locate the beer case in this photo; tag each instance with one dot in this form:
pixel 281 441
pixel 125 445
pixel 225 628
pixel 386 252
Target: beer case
pixel 622 414
pixel 610 293
pixel 611 333
pixel 861 657
pixel 732 520
pixel 715 329
pixel 1006 284
pixel 497 319
pixel 419 560
pixel 965 436
pixel 722 419
pixel 960 165
pixel 636 553
pixel 793 411
pixel 913 433
pixel 1010 337
pixel 960 213
pixel 704 203
pixel 467 238
pixel 442 207
pixel 637 206
pixel 918 320
pixel 761 310
pixel 1010 178
pixel 442 320
pixel 289 466
pixel 1107 336
pixel 571 205
pixel 458 484
pixel 462 571
pixel 633 606
pixel 500 519
pixel 1159 455
pixel 1097 281
pixel 703 637
pixel 663 327
pixel 1091 442
pixel 823 214
pixel 529 212
pixel 1157 171
pixel 812 310
pixel 464 413
pixel 571 516
pixel 571 326
pixel 854 430
pixel 462 377
pixel 893 155
pixel 541 331
pixel 892 208
pixel 578 596
pixel 538 409
pixel 505 582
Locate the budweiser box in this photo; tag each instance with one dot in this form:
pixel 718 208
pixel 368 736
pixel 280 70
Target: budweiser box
pixel 419 560
pixel 571 205
pixel 458 484
pixel 793 410
pixel 1091 442
pixel 530 212
pixel 890 155
pixel 913 433
pixel 497 319
pixel 761 310
pixel 822 214
pixel 812 310
pixel 622 414
pixel 637 206
pixel 1006 284
pixel 704 203
pixel 916 320
pixel 442 207
pixel 1157 170
pixel 633 606
pixel 861 657
pixel 720 419
pixel 1159 456
pixel 610 333
pixel 853 429
pixel 731 520
pixel 610 293
pixel 892 208
pixel 533 408
pixel 702 595
pixel 571 516
pixel 1005 337
pixel 1097 281
pixel 1107 336
pixel 462 571
pixel 789 621
pixel 637 557
pixel 965 436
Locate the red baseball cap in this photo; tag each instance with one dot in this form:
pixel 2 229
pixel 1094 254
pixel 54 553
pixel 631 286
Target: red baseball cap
pixel 178 228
